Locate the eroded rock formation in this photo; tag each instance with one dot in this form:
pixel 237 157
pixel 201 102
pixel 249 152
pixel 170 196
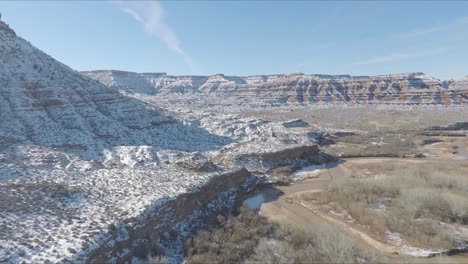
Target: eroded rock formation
pixel 404 89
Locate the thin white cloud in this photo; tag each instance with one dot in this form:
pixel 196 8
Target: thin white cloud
pixel 151 16
pixel 437 28
pixel 398 57
pixel 459 22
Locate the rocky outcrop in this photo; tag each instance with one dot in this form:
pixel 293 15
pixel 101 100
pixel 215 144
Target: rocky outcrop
pixel 401 89
pixel 261 159
pixel 302 152
pixel 139 239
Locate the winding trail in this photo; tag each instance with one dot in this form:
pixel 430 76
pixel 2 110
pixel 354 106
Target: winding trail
pixel 292 211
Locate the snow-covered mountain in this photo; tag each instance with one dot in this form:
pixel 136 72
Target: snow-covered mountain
pixel 76 154
pixel 458 84
pixel 88 174
pixel 46 103
pixel 403 89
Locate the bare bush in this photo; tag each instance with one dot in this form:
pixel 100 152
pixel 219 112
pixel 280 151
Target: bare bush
pixel 272 251
pixel 250 238
pixel 335 246
pixel 231 242
pixel 415 200
pixel 158 260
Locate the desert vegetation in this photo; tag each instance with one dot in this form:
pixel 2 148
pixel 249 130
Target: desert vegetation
pixel 251 238
pixel 410 200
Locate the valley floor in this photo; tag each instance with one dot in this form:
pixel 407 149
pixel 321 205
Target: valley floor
pixel 293 206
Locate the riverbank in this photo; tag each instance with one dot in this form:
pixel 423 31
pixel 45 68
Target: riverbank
pixel 291 209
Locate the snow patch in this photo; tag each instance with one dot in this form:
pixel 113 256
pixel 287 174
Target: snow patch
pixel 312 171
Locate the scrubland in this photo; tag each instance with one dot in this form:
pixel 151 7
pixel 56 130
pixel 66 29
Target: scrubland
pixel 251 238
pixel 412 200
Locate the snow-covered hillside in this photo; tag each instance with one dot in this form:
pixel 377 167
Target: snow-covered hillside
pixel 101 166
pixel 85 169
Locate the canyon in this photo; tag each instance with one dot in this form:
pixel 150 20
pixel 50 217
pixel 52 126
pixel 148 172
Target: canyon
pixel 111 166
pixel 297 88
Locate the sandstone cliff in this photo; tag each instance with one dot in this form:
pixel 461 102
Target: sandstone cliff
pixel 401 89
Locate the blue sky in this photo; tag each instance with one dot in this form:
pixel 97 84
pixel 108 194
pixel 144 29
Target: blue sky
pixel 247 38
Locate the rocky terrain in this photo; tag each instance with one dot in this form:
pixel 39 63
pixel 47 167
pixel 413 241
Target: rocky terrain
pixel 88 174
pixel 399 89
pixel 110 166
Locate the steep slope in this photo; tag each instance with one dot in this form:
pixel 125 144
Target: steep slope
pixel 401 89
pixel 44 102
pixel 77 157
pixel 147 83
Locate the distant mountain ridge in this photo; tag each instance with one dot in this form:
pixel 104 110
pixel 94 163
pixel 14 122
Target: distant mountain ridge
pixel 403 89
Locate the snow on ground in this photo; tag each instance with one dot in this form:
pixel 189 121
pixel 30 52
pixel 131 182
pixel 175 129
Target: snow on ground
pixel 393 237
pixel 457 233
pixel 61 205
pixel 58 213
pixel 313 171
pixel 420 252
pixel 398 89
pixel 308 172
pixel 78 157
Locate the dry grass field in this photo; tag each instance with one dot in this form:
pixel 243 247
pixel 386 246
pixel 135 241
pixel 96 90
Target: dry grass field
pixel 411 199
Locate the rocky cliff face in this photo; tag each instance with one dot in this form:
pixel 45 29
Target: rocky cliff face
pixel 401 89
pixel 458 84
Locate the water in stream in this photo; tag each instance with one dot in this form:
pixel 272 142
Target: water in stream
pixel 263 196
pixel 268 194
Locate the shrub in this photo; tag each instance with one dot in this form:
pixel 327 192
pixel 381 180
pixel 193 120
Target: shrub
pixel 416 199
pixel 250 238
pixel 158 260
pixel 232 240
